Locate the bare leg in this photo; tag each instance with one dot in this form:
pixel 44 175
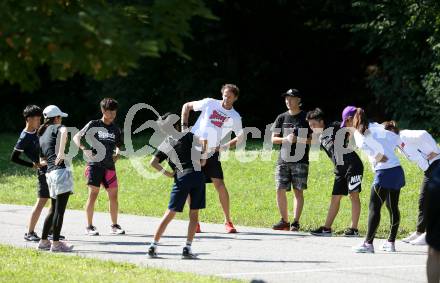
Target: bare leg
pixel 333 211
pixel 299 204
pixel 36 212
pixel 223 197
pixel 433 265
pixel 192 226
pixel 355 209
pixel 90 205
pixel 113 204
pixel 282 204
pixel 166 219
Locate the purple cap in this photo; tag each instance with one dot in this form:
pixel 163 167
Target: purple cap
pixel 349 111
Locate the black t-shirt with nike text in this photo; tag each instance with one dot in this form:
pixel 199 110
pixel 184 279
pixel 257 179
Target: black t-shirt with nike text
pixel 110 136
pixel 285 124
pixel 329 138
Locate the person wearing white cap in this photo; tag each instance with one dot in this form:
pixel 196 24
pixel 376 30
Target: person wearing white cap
pixel 53 139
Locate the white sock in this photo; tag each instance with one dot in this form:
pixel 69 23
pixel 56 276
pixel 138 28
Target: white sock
pixel 188 244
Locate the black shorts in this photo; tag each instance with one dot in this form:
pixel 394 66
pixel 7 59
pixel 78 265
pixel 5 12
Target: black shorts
pixel 213 168
pixel 432 207
pixel 347 183
pixel 191 184
pixel 42 187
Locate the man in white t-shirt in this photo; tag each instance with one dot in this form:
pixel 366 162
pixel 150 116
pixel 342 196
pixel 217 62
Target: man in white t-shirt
pixel 217 120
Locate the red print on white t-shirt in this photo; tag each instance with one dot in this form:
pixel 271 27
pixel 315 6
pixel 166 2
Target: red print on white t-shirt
pixel 217 118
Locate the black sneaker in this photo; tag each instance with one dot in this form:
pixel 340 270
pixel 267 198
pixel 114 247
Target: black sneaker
pixel 152 251
pixel 31 237
pixel 351 232
pixel 322 231
pixel 50 237
pixel 187 254
pixel 295 226
pixel 282 225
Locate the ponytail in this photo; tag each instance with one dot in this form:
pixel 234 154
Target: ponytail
pixel 47 123
pixel 360 121
pixel 391 126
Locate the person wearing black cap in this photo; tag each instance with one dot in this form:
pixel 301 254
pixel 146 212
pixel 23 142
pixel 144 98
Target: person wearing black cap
pixel 291 131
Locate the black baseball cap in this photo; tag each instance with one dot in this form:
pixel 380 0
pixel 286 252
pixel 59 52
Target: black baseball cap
pixel 293 92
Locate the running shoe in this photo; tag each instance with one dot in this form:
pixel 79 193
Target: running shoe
pixel 92 231
pixel 351 232
pixel 282 225
pixel 389 247
pixel 365 248
pixel 50 237
pixel 322 232
pixel 295 226
pixel 419 241
pixel 198 230
pixel 187 253
pixel 152 251
pixel 31 237
pixel 230 227
pixel 62 247
pixel 44 245
pixel 411 237
pixel 116 230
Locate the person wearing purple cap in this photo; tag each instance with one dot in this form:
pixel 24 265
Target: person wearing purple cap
pixel 291 131
pixel 379 145
pixel 347 115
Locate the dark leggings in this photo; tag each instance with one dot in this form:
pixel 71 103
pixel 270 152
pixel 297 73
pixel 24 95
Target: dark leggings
pixel 421 223
pixel 54 220
pixel 380 195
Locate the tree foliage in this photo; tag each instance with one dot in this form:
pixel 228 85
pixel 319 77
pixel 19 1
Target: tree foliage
pixel 97 38
pixel 404 37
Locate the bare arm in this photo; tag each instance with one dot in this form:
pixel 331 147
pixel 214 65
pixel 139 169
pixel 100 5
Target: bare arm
pixel 156 165
pixel 204 156
pixel 186 108
pixel 62 146
pixel 77 140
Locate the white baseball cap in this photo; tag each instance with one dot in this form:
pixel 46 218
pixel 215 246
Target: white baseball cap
pixel 53 111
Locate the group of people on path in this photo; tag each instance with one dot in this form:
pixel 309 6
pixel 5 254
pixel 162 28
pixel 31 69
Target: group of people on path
pixel 194 153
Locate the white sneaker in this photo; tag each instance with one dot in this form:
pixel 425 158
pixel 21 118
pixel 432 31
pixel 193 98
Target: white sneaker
pixel 411 237
pixel 420 241
pixel 365 248
pixel 116 230
pixel 389 247
pixel 92 231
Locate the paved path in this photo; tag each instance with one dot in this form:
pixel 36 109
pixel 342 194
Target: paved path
pixel 256 254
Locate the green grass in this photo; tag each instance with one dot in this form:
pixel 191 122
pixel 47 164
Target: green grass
pixel 26 265
pixel 251 187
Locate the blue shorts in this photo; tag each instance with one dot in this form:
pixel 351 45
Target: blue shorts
pixel 392 178
pixel 191 184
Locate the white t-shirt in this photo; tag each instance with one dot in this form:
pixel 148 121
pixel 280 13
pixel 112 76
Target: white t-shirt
pixel 379 141
pixel 215 122
pixel 417 145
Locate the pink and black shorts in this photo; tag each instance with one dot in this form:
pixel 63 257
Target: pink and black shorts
pixel 99 175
